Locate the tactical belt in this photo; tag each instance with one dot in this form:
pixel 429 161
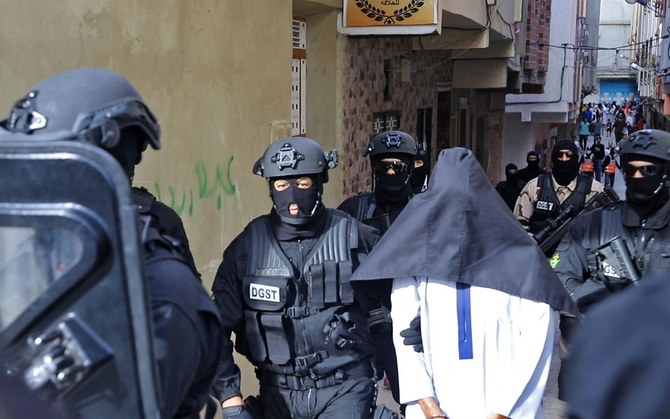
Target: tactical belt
pixel 299 382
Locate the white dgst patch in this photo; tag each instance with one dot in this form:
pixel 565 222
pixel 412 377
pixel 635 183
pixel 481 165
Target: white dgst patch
pixel 264 293
pixel 609 270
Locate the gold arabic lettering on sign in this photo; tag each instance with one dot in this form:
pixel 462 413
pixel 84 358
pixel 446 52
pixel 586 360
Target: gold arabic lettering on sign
pixel 390 12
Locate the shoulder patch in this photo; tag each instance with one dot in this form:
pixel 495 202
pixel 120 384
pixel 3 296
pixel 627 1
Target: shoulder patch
pixel 553 262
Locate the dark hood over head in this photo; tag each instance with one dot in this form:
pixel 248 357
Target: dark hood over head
pixel 460 230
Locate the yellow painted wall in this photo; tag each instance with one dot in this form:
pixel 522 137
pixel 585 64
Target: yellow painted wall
pixel 325 49
pixel 215 72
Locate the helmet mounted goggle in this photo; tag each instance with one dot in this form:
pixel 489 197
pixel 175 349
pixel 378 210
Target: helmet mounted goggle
pixel 100 127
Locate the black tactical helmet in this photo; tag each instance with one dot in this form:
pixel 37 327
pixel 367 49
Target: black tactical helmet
pixel 91 102
pixel 295 156
pixel 392 142
pixel 646 142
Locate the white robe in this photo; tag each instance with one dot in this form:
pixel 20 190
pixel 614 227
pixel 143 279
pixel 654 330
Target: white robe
pixel 511 341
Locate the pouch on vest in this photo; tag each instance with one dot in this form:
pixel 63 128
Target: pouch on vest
pixel 330 283
pixel 264 323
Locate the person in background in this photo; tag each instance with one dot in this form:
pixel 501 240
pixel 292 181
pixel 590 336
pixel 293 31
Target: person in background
pixel 611 165
pixel 532 169
pixel 586 164
pixel 620 127
pixel 598 157
pixel 584 132
pixel 510 188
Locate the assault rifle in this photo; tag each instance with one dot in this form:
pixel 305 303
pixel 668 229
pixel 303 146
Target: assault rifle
pixel 624 267
pixel 551 235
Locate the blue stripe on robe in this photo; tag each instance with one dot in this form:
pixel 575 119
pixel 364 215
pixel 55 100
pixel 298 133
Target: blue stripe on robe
pixel 464 321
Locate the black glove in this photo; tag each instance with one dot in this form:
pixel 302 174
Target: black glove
pixel 236 412
pixel 412 335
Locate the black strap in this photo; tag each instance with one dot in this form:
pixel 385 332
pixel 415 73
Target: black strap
pixel 316 276
pixel 330 281
pixel 299 382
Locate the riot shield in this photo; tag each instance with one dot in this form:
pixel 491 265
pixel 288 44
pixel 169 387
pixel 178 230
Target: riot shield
pixel 75 326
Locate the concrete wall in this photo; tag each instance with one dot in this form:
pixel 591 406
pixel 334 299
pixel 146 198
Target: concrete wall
pixel 614 31
pixel 324 93
pixel 216 74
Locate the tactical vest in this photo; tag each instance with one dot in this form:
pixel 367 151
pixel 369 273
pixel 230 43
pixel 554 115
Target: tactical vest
pixel 548 205
pixel 290 317
pixel 366 203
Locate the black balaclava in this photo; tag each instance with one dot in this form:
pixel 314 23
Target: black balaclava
pixel 128 152
pixel 308 200
pixel 418 177
pixel 565 171
pixel 311 216
pixel 533 165
pixel 511 174
pixel 393 189
pixel 645 195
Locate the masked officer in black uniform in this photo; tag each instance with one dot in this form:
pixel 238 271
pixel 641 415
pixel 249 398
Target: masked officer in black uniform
pixel 510 188
pixel 283 289
pixel 587 258
pixel 546 196
pixel 103 109
pixel 393 157
pixel 608 249
pixel 532 169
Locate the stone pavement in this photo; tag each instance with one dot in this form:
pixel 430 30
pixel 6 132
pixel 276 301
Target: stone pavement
pixel 553 408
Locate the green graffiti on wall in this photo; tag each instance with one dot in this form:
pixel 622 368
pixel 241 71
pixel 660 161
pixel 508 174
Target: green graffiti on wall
pixel 215 187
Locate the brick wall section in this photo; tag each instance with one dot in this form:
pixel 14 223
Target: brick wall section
pixel 364 81
pixel 536 59
pixel 492 103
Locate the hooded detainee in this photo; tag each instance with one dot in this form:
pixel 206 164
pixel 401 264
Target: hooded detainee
pixel 486 328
